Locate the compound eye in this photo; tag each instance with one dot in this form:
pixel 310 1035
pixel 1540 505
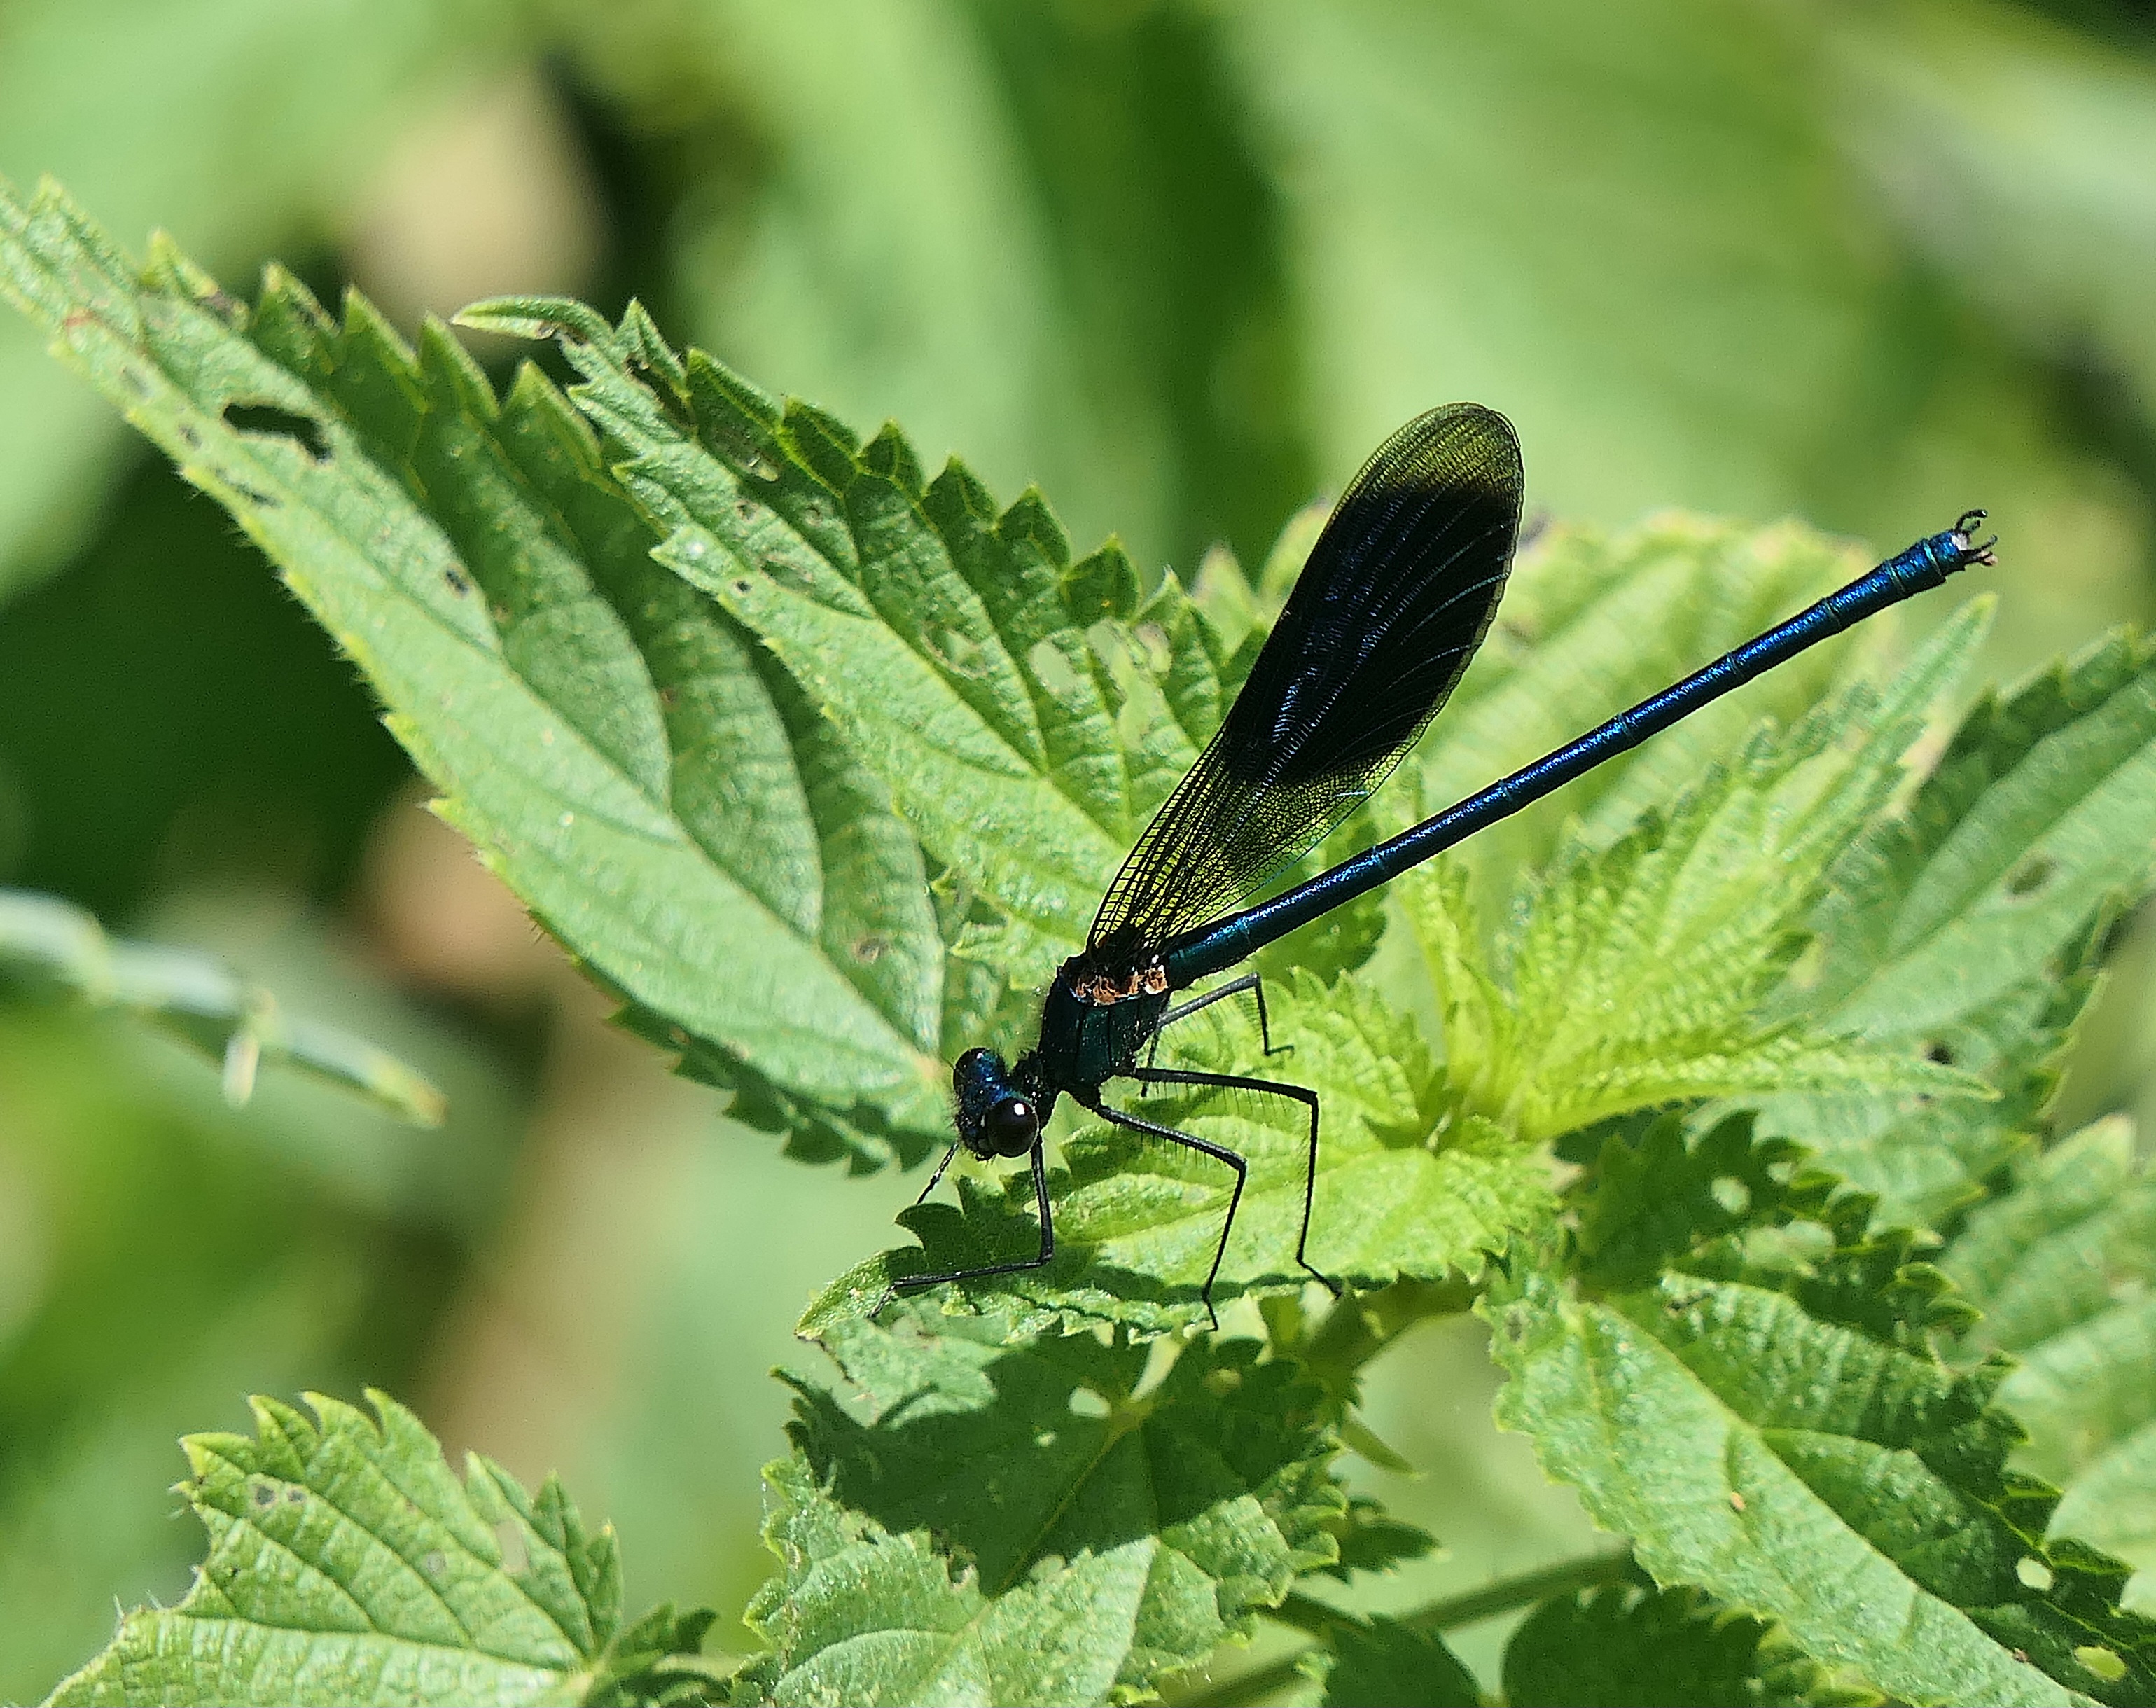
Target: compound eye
pixel 1011 1123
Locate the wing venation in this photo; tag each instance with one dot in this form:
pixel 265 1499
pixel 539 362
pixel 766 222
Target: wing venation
pixel 1397 594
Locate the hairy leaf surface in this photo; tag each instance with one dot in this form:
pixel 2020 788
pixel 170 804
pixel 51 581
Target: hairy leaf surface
pixel 1968 925
pixel 1762 1415
pixel 1633 973
pixel 2064 1271
pixel 349 1563
pixel 1027 711
pixel 1402 1189
pixel 650 785
pixel 967 1522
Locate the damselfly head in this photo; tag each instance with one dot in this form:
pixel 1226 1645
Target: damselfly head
pixel 994 1113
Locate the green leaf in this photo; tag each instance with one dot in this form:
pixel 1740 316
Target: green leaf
pixel 1401 1190
pixel 2062 1268
pixel 1634 970
pixel 349 1563
pixel 1770 1426
pixel 1619 1645
pixel 1968 925
pixel 1371 1539
pixel 205 1002
pixel 650 784
pixel 1381 1661
pixel 1027 712
pixel 968 1521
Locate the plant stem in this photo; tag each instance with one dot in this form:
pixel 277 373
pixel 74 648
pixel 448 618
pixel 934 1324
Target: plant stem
pixel 1307 1614
pixel 1362 1325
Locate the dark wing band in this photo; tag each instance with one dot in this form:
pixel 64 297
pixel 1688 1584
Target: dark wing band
pixel 1397 594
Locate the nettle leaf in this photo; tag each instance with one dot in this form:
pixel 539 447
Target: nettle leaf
pixel 646 778
pixel 1621 1645
pixel 1370 1538
pixel 1402 1190
pixel 2064 1270
pixel 1633 972
pixel 1968 926
pixel 349 1563
pixel 1026 711
pixel 965 1521
pixel 1379 1659
pixel 1762 1415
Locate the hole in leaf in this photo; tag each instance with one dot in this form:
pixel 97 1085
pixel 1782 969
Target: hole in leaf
pixel 1052 670
pixel 746 509
pixel 2031 875
pixel 1731 1194
pixel 961 654
pixel 733 443
pixel 2033 1572
pixel 1086 1403
pixel 267 421
pixel 1809 967
pixel 2101 1662
pixel 870 949
pixel 744 586
pixel 1940 1051
pixel 510 1536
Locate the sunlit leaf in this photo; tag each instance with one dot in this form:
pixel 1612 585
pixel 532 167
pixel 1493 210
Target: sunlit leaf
pixel 650 785
pixel 1402 1189
pixel 965 1521
pixel 2063 1269
pixel 1764 1419
pixel 349 1563
pixel 1633 973
pixel 1968 925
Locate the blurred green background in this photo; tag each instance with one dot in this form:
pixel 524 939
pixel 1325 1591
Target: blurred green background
pixel 1182 263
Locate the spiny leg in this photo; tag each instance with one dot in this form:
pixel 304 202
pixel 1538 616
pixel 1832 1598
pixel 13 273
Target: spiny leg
pixel 1139 1123
pixel 1302 1095
pixel 936 1178
pixel 903 1283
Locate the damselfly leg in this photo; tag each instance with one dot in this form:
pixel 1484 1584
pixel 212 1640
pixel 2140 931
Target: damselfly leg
pixel 1271 1088
pixel 909 1283
pixel 1221 1153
